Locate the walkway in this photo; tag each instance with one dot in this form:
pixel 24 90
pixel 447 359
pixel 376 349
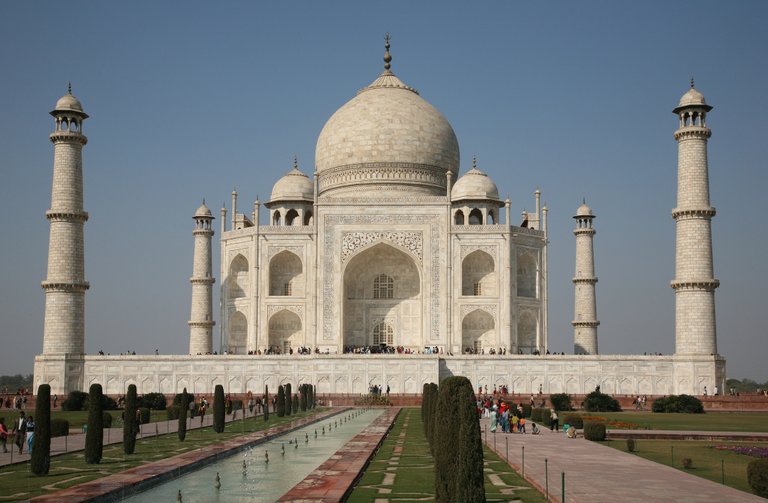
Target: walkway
pixel 599 474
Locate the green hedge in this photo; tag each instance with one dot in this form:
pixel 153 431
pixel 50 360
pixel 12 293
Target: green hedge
pixel 130 425
pixel 218 409
pixel 144 415
pixel 154 401
pixel 594 431
pixel 74 401
pixel 59 427
pixel 106 419
pixel 574 420
pixel 172 412
pixel 678 403
pixel 757 476
pixel 40 461
pixel 561 401
pixel 600 402
pixel 94 437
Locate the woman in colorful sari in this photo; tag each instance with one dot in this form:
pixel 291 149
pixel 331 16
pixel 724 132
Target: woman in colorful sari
pixel 494 419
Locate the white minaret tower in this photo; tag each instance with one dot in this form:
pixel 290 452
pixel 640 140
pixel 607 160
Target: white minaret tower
pixel 65 285
pixel 585 312
pixel 201 321
pixel 694 282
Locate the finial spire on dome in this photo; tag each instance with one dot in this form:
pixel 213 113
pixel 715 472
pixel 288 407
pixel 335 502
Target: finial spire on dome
pixel 69 88
pixel 295 161
pixel 387 55
pixel 474 162
pixel 203 201
pixel 692 82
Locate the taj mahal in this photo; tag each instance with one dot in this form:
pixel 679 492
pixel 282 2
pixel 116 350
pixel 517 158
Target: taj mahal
pixel 383 266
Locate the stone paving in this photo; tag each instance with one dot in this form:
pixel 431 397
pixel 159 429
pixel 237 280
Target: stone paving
pixel 596 473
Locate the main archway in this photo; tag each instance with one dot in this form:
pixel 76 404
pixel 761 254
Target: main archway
pixel 382 288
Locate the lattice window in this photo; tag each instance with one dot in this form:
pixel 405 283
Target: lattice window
pixel 383 334
pixel 478 346
pixel 383 287
pixel 287 290
pixel 477 289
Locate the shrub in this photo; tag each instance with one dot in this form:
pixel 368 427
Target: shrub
pixel 41 452
pixel 536 414
pixel 74 401
pixel 600 402
pixel 94 438
pixel 594 431
pixel 266 403
pixel 59 427
pixel 303 400
pixel 107 403
pixel 218 409
pixel 183 406
pixel 295 407
pixel 527 409
pixel 288 400
pixel 574 420
pixel 458 448
pixel 130 428
pixel 144 415
pixel 757 476
pixel 687 463
pixel 631 445
pixel 561 401
pixel 106 419
pixel 280 405
pixel 154 401
pixel 678 403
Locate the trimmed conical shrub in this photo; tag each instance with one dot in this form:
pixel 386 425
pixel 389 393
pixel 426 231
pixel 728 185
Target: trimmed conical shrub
pixel 94 438
pixel 280 401
pixel 295 407
pixel 130 426
pixel 266 403
pixel 41 445
pixel 288 400
pixel 218 409
pixel 183 406
pixel 303 389
pixel 458 449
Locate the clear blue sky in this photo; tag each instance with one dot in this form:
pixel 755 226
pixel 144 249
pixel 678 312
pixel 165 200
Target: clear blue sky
pixel 190 99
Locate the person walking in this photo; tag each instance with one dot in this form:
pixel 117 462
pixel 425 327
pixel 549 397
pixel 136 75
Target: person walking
pixel 555 421
pixel 20 430
pixel 30 433
pixel 3 434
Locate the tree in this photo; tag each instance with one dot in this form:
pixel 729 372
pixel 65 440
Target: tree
pixel 183 406
pixel 431 412
pixel 218 409
pixel 130 427
pixel 295 407
pixel 280 401
pixel 425 407
pixel 266 403
pixel 600 402
pixel 288 400
pixel 458 448
pixel 41 451
pixel 94 438
pixel 304 389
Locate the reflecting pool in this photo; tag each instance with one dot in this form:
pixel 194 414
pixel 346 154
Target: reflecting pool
pixel 266 471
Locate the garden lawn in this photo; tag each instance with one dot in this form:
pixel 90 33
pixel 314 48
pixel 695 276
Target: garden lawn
pixel 403 469
pixel 710 421
pixel 706 459
pixel 18 483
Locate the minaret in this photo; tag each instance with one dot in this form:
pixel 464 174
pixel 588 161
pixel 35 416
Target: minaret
pixel 694 282
pixel 201 321
pixel 585 312
pixel 65 285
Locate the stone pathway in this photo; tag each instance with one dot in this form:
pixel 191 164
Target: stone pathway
pixel 596 473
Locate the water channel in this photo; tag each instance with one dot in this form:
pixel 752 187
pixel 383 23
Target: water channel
pixel 248 476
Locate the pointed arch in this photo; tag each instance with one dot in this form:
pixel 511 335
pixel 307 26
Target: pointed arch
pixel 292 217
pixel 238 277
pixel 475 217
pixel 478 274
pixel 478 331
pixel 284 331
pixel 286 275
pixel 458 217
pixel 238 333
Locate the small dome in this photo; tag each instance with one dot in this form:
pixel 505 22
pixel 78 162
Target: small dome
pixel 584 211
pixel 474 185
pixel 203 211
pixel 692 98
pixel 295 185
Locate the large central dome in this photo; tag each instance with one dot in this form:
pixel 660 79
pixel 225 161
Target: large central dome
pixel 387 138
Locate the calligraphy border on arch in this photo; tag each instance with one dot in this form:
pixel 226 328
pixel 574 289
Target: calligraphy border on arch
pixel 330 223
pixel 409 241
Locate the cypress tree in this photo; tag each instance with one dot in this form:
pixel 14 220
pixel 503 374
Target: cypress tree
pixel 41 445
pixel 94 438
pixel 288 400
pixel 425 408
pixel 304 392
pixel 458 448
pixel 183 406
pixel 218 409
pixel 266 403
pixel 280 401
pixel 130 428
pixel 295 407
pixel 431 413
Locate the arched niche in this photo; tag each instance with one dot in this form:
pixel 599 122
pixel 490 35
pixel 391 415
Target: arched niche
pixel 238 277
pixel 527 328
pixel 284 331
pixel 292 217
pixel 238 333
pixel 526 273
pixel 458 217
pixel 475 217
pixel 478 275
pixel 478 330
pixel 286 276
